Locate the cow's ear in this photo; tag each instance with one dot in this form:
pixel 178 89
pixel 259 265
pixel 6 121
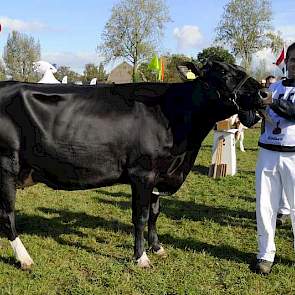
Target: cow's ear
pixel 188 71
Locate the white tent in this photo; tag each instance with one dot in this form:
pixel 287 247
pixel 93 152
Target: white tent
pixel 46 69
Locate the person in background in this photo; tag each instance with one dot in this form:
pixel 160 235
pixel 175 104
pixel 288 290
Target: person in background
pixel 276 161
pixel 270 80
pixel 284 210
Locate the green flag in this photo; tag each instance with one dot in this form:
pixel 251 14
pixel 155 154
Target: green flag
pixel 154 65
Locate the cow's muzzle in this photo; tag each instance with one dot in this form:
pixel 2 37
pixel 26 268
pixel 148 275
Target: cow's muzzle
pixel 265 97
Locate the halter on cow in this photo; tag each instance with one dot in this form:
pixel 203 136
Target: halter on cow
pixel 79 137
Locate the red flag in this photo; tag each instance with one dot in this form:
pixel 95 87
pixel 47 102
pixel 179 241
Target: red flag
pixel 0 28
pixel 281 57
pixel 162 69
pixel 280 62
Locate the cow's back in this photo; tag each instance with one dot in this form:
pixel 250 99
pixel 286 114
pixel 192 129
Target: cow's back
pixel 83 136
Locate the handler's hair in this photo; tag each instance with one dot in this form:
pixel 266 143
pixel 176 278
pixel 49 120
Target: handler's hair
pixel 290 48
pixel 269 77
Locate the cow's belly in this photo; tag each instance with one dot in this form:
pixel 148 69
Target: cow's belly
pixel 76 166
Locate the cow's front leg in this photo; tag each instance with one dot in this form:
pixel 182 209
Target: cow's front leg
pixel 152 229
pixel 21 254
pixel 140 214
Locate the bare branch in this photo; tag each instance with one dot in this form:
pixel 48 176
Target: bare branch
pixel 245 28
pixel 133 30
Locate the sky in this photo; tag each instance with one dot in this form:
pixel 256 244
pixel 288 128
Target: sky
pixel 69 31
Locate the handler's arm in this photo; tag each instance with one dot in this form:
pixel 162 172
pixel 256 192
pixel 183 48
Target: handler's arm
pixel 284 108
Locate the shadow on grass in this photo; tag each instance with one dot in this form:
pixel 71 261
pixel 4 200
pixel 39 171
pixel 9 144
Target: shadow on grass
pixel 113 194
pixel 206 147
pixel 11 261
pixel 218 251
pixel 200 169
pixel 68 222
pixel 246 172
pixel 250 199
pixel 255 149
pixel 176 209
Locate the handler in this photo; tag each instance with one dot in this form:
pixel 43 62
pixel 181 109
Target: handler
pixel 276 162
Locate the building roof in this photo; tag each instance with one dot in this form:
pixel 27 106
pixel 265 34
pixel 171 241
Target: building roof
pixel 121 74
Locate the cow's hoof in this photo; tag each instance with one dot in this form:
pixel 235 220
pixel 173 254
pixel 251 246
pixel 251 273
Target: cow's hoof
pixel 27 265
pixel 143 261
pixel 161 252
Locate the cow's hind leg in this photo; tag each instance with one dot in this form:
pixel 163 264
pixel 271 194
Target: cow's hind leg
pixel 8 167
pixel 152 229
pixel 140 214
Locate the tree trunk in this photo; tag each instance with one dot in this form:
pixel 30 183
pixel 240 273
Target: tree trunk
pixel 134 76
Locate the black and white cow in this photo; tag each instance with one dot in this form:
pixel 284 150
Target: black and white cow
pixel 80 137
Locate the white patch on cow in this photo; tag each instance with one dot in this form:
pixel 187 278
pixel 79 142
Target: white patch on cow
pixel 21 254
pixel 161 252
pixel 156 192
pixel 144 261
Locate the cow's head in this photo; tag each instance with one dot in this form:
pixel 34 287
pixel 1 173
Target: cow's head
pixel 234 85
pixel 230 82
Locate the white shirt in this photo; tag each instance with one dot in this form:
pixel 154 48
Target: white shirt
pixel 281 131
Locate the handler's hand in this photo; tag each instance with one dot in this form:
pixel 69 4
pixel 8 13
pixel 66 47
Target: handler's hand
pixel 268 99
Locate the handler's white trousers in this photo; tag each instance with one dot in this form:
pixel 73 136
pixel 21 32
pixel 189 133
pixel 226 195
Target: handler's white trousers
pixel 284 205
pixel 275 174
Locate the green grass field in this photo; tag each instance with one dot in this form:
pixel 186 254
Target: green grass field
pixel 82 241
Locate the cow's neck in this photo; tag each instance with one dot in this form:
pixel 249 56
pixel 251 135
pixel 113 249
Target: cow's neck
pixel 191 121
pixel 192 111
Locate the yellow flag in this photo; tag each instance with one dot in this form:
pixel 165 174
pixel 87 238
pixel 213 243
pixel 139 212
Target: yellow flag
pixel 190 75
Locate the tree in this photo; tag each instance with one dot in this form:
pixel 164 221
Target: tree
pixel 276 42
pixel 171 72
pixel 246 27
pixel 101 76
pixel 145 74
pixel 20 52
pixel 260 72
pixel 217 53
pixel 66 71
pixel 133 30
pixel 90 72
pixel 2 71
